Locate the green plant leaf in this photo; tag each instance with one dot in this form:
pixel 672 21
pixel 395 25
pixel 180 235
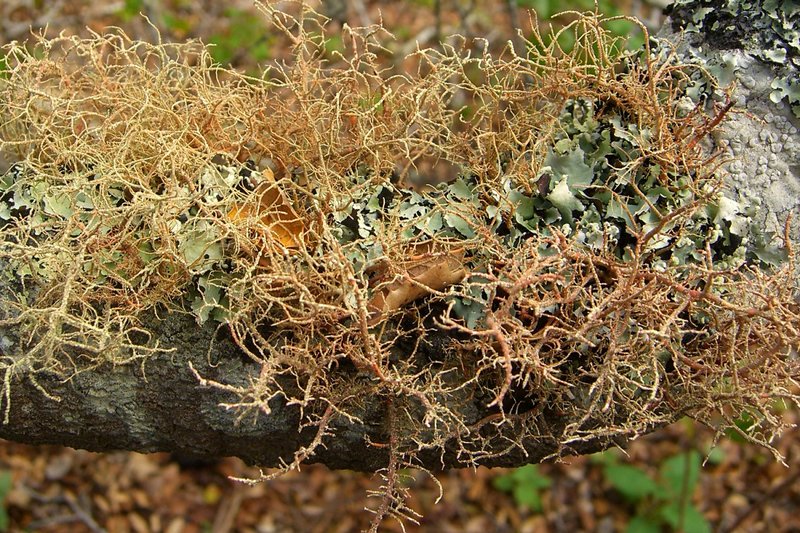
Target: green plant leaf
pixel 530 475
pixel 606 458
pixel 5 484
pixel 693 520
pixel 131 9
pixel 632 482
pixel 678 476
pixel 524 484
pixel 528 496
pixel 5 488
pixel 641 524
pixel 504 483
pixel 176 23
pixel 715 456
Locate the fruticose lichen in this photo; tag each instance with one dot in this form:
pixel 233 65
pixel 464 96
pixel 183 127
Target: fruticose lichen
pixel 584 263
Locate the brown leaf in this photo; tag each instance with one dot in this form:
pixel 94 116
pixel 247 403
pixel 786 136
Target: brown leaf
pixel 59 466
pixel 176 525
pixel 138 523
pixel 276 217
pixel 426 272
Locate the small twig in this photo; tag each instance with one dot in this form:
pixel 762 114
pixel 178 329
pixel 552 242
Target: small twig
pixel 84 516
pixel 78 514
pixel 710 125
pixel 391 473
pixel 227 511
pixel 497 332
pixel 301 455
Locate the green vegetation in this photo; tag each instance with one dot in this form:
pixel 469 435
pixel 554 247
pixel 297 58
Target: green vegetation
pixel 620 27
pixel 525 484
pixel 245 36
pixel 5 488
pixel 665 500
pixel 656 502
pixel 131 9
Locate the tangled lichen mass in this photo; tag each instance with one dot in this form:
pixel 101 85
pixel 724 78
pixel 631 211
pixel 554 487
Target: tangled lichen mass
pixel 584 260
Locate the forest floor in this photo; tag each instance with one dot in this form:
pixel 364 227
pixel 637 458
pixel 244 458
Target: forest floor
pixel 740 487
pixel 60 490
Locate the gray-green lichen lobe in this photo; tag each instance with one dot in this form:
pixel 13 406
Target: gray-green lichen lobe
pixel 770 28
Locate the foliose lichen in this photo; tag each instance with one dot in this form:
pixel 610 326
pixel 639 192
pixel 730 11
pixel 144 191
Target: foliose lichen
pixel 585 263
pixel 767 29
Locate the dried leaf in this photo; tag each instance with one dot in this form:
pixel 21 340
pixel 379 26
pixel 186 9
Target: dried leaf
pixel 426 272
pixel 274 211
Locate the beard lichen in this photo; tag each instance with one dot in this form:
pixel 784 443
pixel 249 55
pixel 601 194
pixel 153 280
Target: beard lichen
pixel 583 262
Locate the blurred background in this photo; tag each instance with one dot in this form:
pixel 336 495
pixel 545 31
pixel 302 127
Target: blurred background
pixel 677 479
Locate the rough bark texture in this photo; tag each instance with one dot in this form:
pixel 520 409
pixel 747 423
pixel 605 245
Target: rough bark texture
pixel 752 48
pixel 161 406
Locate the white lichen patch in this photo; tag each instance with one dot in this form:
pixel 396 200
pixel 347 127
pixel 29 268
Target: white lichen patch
pixel 753 50
pixel 758 141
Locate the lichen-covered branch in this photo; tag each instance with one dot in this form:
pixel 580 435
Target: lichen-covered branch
pixel 208 263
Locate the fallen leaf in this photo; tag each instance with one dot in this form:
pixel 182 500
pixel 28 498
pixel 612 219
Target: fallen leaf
pixel 119 523
pixel 176 525
pixel 426 272
pixel 277 221
pixel 140 498
pixel 59 466
pixel 138 523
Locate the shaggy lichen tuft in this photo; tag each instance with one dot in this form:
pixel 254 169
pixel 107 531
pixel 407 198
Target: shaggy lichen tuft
pixel 583 263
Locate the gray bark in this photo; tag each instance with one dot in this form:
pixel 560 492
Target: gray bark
pixel 161 406
pixel 752 50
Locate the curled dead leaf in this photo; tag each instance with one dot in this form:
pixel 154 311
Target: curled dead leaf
pixel 426 272
pixel 278 221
